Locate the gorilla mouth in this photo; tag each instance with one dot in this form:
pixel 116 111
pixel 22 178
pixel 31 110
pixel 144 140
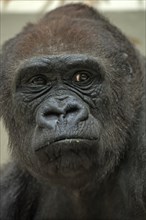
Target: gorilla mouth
pixel 66 141
pixel 70 140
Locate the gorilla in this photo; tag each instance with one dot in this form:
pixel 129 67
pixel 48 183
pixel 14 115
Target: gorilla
pixel 73 102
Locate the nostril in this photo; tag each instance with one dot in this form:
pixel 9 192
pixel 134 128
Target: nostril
pixel 50 113
pixel 75 113
pixel 53 111
pixel 72 110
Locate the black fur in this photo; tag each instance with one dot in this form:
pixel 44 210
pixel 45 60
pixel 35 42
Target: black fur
pixel 72 98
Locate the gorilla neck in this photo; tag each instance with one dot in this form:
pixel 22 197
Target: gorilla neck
pixel 60 202
pixel 70 204
pixel 78 204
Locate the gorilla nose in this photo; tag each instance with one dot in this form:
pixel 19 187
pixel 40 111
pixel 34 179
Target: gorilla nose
pixel 61 111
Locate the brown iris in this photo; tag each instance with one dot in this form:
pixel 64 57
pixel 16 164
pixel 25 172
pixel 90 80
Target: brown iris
pixel 81 77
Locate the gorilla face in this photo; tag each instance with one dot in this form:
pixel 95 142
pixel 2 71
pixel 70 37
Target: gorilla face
pixel 69 98
pixel 56 94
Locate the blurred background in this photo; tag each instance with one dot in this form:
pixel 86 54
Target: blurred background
pixel 128 15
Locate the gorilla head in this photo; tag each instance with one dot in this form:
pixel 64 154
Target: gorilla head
pixel 70 93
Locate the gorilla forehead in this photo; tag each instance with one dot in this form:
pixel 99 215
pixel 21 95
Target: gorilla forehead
pixel 60 36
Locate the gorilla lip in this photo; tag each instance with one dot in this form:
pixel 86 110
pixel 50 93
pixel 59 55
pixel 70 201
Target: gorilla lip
pixel 64 141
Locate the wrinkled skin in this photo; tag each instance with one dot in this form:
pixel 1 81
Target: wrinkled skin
pixel 72 100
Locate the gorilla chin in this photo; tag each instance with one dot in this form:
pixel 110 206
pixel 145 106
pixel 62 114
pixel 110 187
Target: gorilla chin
pixel 70 157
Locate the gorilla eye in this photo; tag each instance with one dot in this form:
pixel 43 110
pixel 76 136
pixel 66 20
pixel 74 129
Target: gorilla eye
pixel 38 80
pixel 81 77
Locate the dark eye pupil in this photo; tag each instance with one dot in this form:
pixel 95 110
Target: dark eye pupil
pixel 80 77
pixel 38 81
